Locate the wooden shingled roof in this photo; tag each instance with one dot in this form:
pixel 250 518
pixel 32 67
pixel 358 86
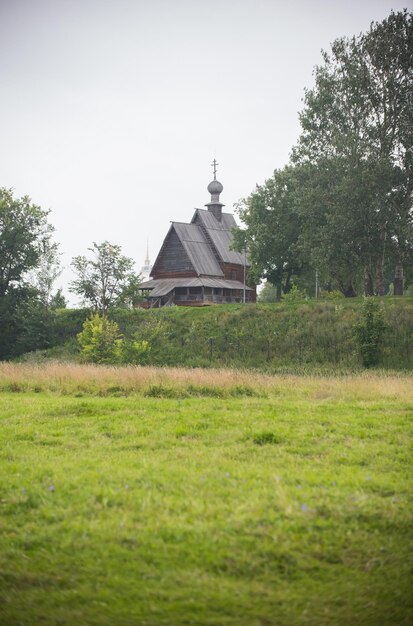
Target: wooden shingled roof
pixel 198 249
pixel 220 234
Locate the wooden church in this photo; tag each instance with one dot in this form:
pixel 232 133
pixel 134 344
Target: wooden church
pixel 196 265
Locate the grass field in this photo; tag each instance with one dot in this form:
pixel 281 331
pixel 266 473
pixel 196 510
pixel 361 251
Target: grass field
pixel 138 496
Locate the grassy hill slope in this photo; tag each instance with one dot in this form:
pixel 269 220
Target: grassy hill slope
pixel 291 336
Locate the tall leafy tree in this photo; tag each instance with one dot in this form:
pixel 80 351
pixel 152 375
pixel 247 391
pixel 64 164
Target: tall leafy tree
pixel 344 205
pixel 357 122
pixel 46 273
pixel 106 279
pixel 338 234
pixel 24 235
pixel 388 57
pixel 272 227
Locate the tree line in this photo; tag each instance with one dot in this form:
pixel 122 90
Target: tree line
pixel 342 206
pixel 29 267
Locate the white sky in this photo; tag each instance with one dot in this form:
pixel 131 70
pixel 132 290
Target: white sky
pixel 111 111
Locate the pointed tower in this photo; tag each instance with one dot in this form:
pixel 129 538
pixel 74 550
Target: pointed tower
pixel 215 188
pixel 146 267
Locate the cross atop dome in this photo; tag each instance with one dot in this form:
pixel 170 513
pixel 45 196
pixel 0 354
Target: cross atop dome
pixel 215 188
pixel 214 165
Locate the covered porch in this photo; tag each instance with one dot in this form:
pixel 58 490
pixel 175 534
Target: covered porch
pixel 196 292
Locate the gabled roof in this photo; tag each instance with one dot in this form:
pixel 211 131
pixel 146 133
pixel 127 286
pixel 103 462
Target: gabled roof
pixel 220 233
pixel 196 247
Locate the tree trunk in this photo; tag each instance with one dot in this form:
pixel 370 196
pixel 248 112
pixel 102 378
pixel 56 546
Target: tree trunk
pixel 278 292
pixel 398 280
pixel 368 282
pixel 380 275
pixel 348 291
pixel 380 266
pixel 287 284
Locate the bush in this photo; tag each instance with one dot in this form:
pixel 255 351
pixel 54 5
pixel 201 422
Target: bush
pixel 294 295
pixel 331 295
pixel 136 351
pixel 101 341
pixel 369 332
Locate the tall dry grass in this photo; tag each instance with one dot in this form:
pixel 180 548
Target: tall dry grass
pixel 66 378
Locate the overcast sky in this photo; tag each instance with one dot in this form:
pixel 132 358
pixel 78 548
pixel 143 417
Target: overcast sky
pixel 111 111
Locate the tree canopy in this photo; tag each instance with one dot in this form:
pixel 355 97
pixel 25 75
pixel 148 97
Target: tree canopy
pixel 24 234
pixel 343 205
pixel 106 279
pixel 25 239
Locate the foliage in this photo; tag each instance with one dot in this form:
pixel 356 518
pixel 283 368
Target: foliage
pixel 100 492
pixel 296 335
pixel 343 205
pixel 136 351
pixel 331 295
pixel 357 127
pixel 58 301
pixel 26 324
pixel 272 230
pixel 45 274
pixel 106 280
pixel 369 332
pixel 268 293
pixel 100 340
pixel 25 239
pixel 67 324
pixel 131 293
pixel 295 295
pixel 24 233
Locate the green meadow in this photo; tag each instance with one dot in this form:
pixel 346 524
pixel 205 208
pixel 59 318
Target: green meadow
pixel 138 496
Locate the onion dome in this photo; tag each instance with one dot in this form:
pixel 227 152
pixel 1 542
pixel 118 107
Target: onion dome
pixel 215 187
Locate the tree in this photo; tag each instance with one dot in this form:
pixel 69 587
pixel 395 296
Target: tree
pixel 58 301
pixel 105 280
pixel 24 235
pixel 46 272
pixel 332 206
pixel 272 230
pixel 357 124
pixel 132 293
pixel 369 331
pixel 268 293
pixel 100 340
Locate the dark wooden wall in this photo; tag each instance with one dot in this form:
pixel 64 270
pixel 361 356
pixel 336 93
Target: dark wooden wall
pixel 173 260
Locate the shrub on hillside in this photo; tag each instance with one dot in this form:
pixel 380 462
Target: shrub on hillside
pixel 369 331
pixel 135 352
pixel 331 295
pixel 295 295
pixel 101 341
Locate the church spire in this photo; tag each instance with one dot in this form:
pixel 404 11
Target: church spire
pixel 215 188
pixel 146 267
